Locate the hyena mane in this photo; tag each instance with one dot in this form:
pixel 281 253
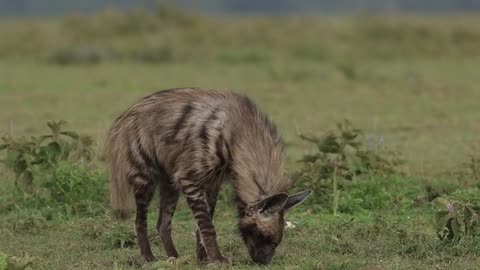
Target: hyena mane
pixel 190 140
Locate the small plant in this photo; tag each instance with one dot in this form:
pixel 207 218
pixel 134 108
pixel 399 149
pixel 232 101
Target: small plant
pixel 20 159
pixel 26 157
pixel 76 189
pixel 456 219
pixel 66 191
pixel 350 153
pixel 343 154
pixel 48 181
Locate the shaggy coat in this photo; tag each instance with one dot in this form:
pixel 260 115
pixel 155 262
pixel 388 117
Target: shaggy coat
pixel 190 141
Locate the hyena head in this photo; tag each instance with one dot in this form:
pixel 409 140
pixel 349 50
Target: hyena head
pixel 261 225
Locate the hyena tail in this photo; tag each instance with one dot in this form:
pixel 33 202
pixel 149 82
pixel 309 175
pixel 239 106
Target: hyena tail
pixel 122 198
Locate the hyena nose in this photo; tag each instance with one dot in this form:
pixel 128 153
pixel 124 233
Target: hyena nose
pixel 263 259
pixel 263 256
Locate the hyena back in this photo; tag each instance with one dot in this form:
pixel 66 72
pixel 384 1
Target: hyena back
pixel 190 141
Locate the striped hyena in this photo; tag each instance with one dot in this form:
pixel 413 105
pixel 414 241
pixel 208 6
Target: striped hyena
pixel 190 141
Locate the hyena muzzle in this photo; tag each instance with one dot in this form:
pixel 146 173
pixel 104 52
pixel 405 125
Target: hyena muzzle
pixel 189 141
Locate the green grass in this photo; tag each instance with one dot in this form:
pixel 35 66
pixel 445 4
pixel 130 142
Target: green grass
pixel 425 106
pixel 319 241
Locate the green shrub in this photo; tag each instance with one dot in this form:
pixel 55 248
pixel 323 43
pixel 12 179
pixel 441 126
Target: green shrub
pixel 68 190
pixel 343 155
pixel 396 193
pixel 30 158
pixel 350 153
pixel 50 181
pixel 456 218
pixel 364 195
pixel 77 188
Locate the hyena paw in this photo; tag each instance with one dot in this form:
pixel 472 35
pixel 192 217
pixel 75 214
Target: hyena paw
pixel 150 258
pixel 202 256
pixel 202 259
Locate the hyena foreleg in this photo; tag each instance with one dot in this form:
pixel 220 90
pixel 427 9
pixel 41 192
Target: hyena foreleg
pixel 168 202
pixel 212 194
pixel 198 203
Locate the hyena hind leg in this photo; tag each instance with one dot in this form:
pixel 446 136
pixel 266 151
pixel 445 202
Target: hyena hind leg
pixel 168 202
pixel 212 194
pixel 143 196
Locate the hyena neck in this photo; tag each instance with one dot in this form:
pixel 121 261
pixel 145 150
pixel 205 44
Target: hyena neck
pixel 257 154
pixel 258 175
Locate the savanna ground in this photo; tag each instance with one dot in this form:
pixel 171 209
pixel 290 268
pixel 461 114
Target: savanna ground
pixel 410 83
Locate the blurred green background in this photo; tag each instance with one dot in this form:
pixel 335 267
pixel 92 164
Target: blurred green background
pixel 411 78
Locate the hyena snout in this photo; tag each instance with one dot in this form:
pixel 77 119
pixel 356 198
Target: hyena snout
pixel 263 254
pixel 261 247
pixel 262 224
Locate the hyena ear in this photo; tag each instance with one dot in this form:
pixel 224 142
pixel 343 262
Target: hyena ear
pixel 296 199
pixel 272 204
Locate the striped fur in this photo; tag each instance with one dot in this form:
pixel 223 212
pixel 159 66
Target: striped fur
pixel 190 141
